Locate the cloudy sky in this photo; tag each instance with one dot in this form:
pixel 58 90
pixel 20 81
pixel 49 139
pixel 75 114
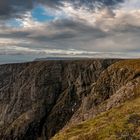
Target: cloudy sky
pixel 97 28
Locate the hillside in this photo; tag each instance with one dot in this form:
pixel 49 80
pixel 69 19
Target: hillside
pixel 121 123
pixel 119 117
pixel 71 99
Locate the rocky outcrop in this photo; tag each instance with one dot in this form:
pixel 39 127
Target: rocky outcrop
pixel 115 85
pixel 40 98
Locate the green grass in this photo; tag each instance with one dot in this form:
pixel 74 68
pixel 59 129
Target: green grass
pixel 121 123
pixel 116 124
pixel 133 64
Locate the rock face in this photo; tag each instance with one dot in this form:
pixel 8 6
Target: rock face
pixel 40 98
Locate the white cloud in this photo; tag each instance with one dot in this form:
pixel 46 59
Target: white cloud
pixel 16 50
pixel 9 41
pixel 105 18
pixel 131 5
pixel 78 31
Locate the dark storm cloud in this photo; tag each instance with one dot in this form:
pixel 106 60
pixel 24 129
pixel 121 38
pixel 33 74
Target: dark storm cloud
pixel 17 8
pixel 58 30
pixel 66 30
pixel 14 34
pixel 14 8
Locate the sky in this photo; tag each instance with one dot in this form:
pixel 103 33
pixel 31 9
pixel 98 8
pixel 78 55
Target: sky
pixel 31 29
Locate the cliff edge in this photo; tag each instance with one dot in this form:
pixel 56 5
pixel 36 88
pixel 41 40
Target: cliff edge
pixel 51 99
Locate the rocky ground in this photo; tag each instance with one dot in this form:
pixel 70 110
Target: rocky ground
pixel 41 99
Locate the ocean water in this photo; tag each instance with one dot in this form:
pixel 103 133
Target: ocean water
pixel 5 59
pixel 19 58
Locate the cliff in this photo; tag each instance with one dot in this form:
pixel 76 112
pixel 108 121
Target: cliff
pixel 40 99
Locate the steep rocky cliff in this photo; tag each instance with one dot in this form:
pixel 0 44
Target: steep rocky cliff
pixel 111 111
pixel 39 99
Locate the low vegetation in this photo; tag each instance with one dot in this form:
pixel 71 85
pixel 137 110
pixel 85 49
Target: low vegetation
pixel 120 123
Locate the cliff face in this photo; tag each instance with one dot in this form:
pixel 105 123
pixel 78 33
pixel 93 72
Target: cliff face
pixel 38 99
pixel 112 107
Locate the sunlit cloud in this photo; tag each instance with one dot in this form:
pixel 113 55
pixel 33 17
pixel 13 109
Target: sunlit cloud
pixel 70 27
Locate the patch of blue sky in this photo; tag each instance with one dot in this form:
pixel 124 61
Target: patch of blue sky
pixel 14 23
pixel 40 14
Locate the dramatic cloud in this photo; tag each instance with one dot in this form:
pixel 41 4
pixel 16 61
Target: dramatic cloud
pixel 17 8
pixel 14 8
pixel 70 27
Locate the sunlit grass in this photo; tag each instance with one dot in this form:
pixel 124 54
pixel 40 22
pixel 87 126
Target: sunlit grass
pixel 118 123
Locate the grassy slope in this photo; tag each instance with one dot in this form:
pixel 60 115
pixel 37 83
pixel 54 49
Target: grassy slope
pixel 119 123
pixel 122 123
